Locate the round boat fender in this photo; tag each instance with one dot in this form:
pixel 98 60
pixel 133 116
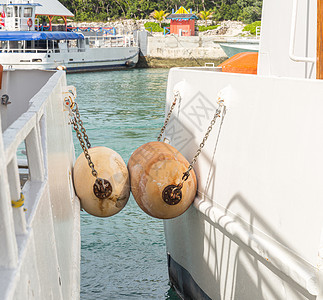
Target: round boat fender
pixel 30 22
pixel 110 166
pixel 156 170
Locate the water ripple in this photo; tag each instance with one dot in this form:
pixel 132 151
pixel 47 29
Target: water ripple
pixel 122 257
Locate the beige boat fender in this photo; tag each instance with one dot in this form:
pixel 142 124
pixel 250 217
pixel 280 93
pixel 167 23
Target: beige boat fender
pixel 110 167
pixel 155 170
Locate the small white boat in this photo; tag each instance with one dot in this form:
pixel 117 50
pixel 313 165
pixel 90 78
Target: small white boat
pixel 24 46
pixel 231 49
pixel 255 230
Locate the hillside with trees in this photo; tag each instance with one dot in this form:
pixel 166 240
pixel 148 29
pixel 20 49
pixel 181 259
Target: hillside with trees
pixel 104 10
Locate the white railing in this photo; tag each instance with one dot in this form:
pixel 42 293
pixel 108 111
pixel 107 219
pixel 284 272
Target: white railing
pixel 25 234
pixel 28 129
pixel 19 1
pixel 20 50
pixel 292 55
pixel 275 254
pixel 93 42
pixel 110 41
pixel 45 51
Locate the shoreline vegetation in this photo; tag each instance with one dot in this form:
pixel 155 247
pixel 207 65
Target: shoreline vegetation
pixel 246 11
pixel 228 28
pixel 172 51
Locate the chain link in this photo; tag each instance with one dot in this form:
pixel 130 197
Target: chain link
pixel 177 96
pixel 81 135
pixel 80 122
pixel 102 188
pixel 74 122
pixel 206 136
pixel 176 190
pixel 217 115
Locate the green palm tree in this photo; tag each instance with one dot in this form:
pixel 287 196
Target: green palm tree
pixel 159 15
pixel 205 15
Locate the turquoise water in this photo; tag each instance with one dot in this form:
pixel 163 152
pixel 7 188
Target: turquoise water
pixel 124 256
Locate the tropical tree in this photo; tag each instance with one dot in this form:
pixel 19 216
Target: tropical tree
pixel 159 15
pixel 205 15
pixel 103 10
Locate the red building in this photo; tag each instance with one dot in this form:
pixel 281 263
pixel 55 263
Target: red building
pixel 182 22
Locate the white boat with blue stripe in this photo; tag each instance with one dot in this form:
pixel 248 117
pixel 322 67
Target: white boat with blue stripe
pixel 23 44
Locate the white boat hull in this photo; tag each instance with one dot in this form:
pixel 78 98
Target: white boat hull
pixel 92 59
pixel 231 49
pixel 255 230
pixel 40 247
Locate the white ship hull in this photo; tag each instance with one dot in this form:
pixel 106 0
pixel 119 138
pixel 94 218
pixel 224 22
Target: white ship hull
pixel 40 247
pixel 24 45
pixel 91 59
pixel 255 230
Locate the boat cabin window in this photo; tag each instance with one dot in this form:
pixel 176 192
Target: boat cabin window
pixel 17 11
pixel 15 44
pixel 41 44
pixel 4 45
pixel 80 44
pixel 55 45
pixel 9 12
pixel 71 43
pixel 28 12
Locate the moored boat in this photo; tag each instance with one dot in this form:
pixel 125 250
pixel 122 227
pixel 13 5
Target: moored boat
pixel 232 49
pixel 25 44
pixel 255 229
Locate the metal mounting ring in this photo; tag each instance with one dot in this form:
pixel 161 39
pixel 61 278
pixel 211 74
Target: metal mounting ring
pixel 5 99
pixel 102 188
pixel 172 195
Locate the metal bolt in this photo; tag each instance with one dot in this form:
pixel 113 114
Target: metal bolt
pixel 172 194
pixel 5 99
pixel 102 188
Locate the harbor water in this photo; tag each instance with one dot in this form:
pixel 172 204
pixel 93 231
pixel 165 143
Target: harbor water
pixel 124 256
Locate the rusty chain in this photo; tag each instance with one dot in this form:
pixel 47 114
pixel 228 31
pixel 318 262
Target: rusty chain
pixel 102 188
pixel 74 122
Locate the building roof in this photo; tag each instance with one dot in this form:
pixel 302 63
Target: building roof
pixel 182 17
pixel 48 8
pixel 39 35
pixel 52 8
pixel 182 14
